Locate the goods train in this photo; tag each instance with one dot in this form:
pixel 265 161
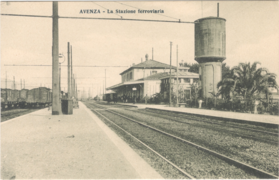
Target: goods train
pixel 37 97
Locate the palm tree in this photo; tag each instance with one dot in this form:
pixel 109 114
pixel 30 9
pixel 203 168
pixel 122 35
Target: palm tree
pixel 247 81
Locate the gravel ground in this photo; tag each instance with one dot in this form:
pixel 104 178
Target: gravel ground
pixel 237 132
pixel 194 161
pixel 258 154
pixel 225 122
pixel 12 113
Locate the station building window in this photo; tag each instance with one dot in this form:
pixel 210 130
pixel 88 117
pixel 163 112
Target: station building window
pixel 186 80
pixel 196 80
pixel 154 72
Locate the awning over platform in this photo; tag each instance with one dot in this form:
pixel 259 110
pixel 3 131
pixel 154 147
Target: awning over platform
pixel 110 92
pixel 125 83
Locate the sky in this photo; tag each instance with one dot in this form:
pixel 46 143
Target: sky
pixel 252 34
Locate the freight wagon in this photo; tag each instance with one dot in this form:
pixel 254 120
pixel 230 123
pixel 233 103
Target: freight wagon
pixel 23 98
pixel 37 97
pixel 9 98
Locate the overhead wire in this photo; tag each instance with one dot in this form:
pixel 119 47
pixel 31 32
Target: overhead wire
pixel 119 19
pixel 60 65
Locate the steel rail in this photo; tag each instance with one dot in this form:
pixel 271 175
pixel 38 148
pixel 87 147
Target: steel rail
pixel 214 128
pixel 178 168
pixel 257 172
pixel 220 124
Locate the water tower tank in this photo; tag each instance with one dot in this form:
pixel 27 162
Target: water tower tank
pixel 210 39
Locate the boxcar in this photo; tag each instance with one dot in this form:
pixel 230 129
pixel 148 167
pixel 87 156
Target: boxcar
pixel 8 98
pixel 23 97
pixel 43 99
pixel 31 98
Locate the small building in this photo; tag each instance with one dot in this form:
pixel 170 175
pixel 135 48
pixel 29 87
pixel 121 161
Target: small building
pixel 134 82
pixel 150 77
pixel 180 82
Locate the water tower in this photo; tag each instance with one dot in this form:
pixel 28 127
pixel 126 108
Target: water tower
pixel 210 51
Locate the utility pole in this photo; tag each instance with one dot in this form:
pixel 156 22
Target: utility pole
pixel 24 83
pixel 177 86
pixel 59 80
pixel 14 83
pixel 6 80
pixel 13 94
pixel 6 86
pixel 76 92
pixel 103 88
pixel 69 72
pixel 20 83
pixel 74 81
pixel 105 79
pixel 170 72
pixel 56 104
pixel 152 53
pixel 72 88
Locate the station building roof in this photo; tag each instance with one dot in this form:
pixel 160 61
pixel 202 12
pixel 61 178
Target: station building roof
pixel 165 75
pixel 126 83
pixel 157 76
pixel 150 64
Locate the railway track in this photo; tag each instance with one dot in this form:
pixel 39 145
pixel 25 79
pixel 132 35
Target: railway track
pixel 12 113
pixel 221 128
pixel 209 121
pixel 247 168
pixel 212 121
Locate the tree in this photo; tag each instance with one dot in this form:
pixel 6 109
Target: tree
pixel 194 67
pixel 246 80
pixel 225 69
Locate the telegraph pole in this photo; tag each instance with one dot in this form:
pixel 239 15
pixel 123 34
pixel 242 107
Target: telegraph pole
pixel 6 86
pixel 177 86
pixel 73 85
pixel 14 83
pixel 13 94
pixel 56 105
pixel 105 79
pixel 69 72
pixel 170 72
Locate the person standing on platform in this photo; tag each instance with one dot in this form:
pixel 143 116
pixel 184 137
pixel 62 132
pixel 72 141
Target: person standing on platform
pixel 135 99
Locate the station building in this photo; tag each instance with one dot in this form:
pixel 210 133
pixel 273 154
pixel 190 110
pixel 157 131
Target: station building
pixel 150 77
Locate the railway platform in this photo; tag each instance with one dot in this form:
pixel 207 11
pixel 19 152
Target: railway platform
pixel 259 118
pixel 79 146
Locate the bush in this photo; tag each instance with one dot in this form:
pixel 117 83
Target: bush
pixel 274 109
pixel 261 109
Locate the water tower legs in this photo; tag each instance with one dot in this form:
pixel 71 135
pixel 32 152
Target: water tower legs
pixel 211 74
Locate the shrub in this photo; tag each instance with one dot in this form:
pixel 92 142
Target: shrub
pixel 274 109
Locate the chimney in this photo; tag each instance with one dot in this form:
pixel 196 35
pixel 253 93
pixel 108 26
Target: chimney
pixel 146 57
pixel 133 64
